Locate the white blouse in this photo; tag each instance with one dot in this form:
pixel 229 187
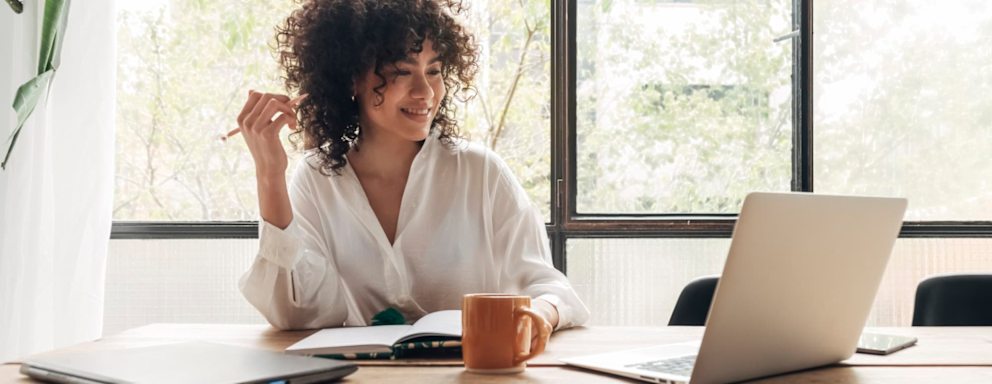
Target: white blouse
pixel 465 226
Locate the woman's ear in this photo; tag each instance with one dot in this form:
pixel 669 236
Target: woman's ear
pixel 359 82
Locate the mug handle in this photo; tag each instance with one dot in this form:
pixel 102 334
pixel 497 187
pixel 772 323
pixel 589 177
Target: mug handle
pixel 543 335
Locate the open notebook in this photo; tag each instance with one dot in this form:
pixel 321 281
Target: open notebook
pixel 442 329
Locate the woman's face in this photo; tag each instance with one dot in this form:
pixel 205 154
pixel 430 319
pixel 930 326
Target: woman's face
pixel 414 89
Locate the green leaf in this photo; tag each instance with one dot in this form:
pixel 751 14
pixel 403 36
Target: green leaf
pixel 24 102
pixel 52 32
pixel 29 93
pixel 49 54
pixel 16 5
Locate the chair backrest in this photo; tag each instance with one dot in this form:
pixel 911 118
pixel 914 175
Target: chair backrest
pixel 950 300
pixel 694 302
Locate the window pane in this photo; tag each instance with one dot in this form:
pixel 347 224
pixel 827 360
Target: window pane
pixel 902 106
pixel 184 70
pixel 681 107
pixel 185 67
pixel 512 112
pixel 637 281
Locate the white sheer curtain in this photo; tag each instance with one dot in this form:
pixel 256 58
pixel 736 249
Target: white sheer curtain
pixel 57 191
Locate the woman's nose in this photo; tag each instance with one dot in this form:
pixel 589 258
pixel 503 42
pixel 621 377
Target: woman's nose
pixel 422 88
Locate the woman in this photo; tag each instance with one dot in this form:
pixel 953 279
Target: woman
pixel 388 207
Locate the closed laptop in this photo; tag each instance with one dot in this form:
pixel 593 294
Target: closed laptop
pixel 188 362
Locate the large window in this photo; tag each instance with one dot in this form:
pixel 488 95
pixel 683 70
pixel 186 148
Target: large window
pixel 637 127
pixel 185 68
pixel 902 104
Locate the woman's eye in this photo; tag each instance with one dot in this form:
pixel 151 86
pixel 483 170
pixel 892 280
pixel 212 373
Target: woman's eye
pixel 402 73
pixel 434 72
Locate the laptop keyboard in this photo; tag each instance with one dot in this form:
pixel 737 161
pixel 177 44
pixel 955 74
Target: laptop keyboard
pixel 678 365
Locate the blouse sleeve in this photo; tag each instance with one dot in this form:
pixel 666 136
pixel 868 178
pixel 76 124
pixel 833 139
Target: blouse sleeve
pixel 293 281
pixel 521 242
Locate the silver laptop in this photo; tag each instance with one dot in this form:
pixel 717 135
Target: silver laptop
pixel 190 362
pixel 796 290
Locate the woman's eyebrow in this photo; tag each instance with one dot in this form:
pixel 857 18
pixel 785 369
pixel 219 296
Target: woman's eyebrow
pixel 412 61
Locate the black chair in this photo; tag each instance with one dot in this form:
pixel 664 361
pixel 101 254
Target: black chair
pixel 694 302
pixel 954 300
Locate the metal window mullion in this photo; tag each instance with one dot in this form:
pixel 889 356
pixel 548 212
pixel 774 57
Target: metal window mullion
pixel 563 117
pixel 802 93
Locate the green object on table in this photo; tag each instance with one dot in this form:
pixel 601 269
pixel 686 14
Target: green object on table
pixel 390 316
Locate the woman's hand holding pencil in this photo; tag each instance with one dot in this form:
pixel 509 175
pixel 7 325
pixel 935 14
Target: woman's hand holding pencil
pixel 260 120
pixel 295 102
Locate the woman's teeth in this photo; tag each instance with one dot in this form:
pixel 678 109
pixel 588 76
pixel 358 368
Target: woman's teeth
pixel 416 111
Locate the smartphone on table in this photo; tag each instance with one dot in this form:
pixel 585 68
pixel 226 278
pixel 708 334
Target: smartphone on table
pixel 879 344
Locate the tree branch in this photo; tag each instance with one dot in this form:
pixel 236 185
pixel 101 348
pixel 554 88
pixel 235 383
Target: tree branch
pixel 521 67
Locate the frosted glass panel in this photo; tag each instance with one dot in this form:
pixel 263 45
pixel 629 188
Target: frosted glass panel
pixel 623 281
pixel 915 259
pixel 637 281
pixel 177 281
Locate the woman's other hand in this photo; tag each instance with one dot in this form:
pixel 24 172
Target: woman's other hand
pixel 550 315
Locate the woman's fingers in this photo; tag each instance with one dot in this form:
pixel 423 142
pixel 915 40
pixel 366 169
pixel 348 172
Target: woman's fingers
pixel 297 100
pixel 259 109
pixel 273 106
pixel 253 98
pixel 257 101
pixel 536 333
pixel 265 108
pixel 281 121
pixel 264 111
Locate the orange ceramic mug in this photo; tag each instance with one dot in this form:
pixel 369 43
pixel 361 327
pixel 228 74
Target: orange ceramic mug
pixel 496 333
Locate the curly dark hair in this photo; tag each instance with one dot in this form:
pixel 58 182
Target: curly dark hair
pixel 325 44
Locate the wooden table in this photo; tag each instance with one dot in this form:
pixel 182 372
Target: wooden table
pixel 943 354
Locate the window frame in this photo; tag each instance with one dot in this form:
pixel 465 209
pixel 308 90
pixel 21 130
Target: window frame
pixel 566 223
